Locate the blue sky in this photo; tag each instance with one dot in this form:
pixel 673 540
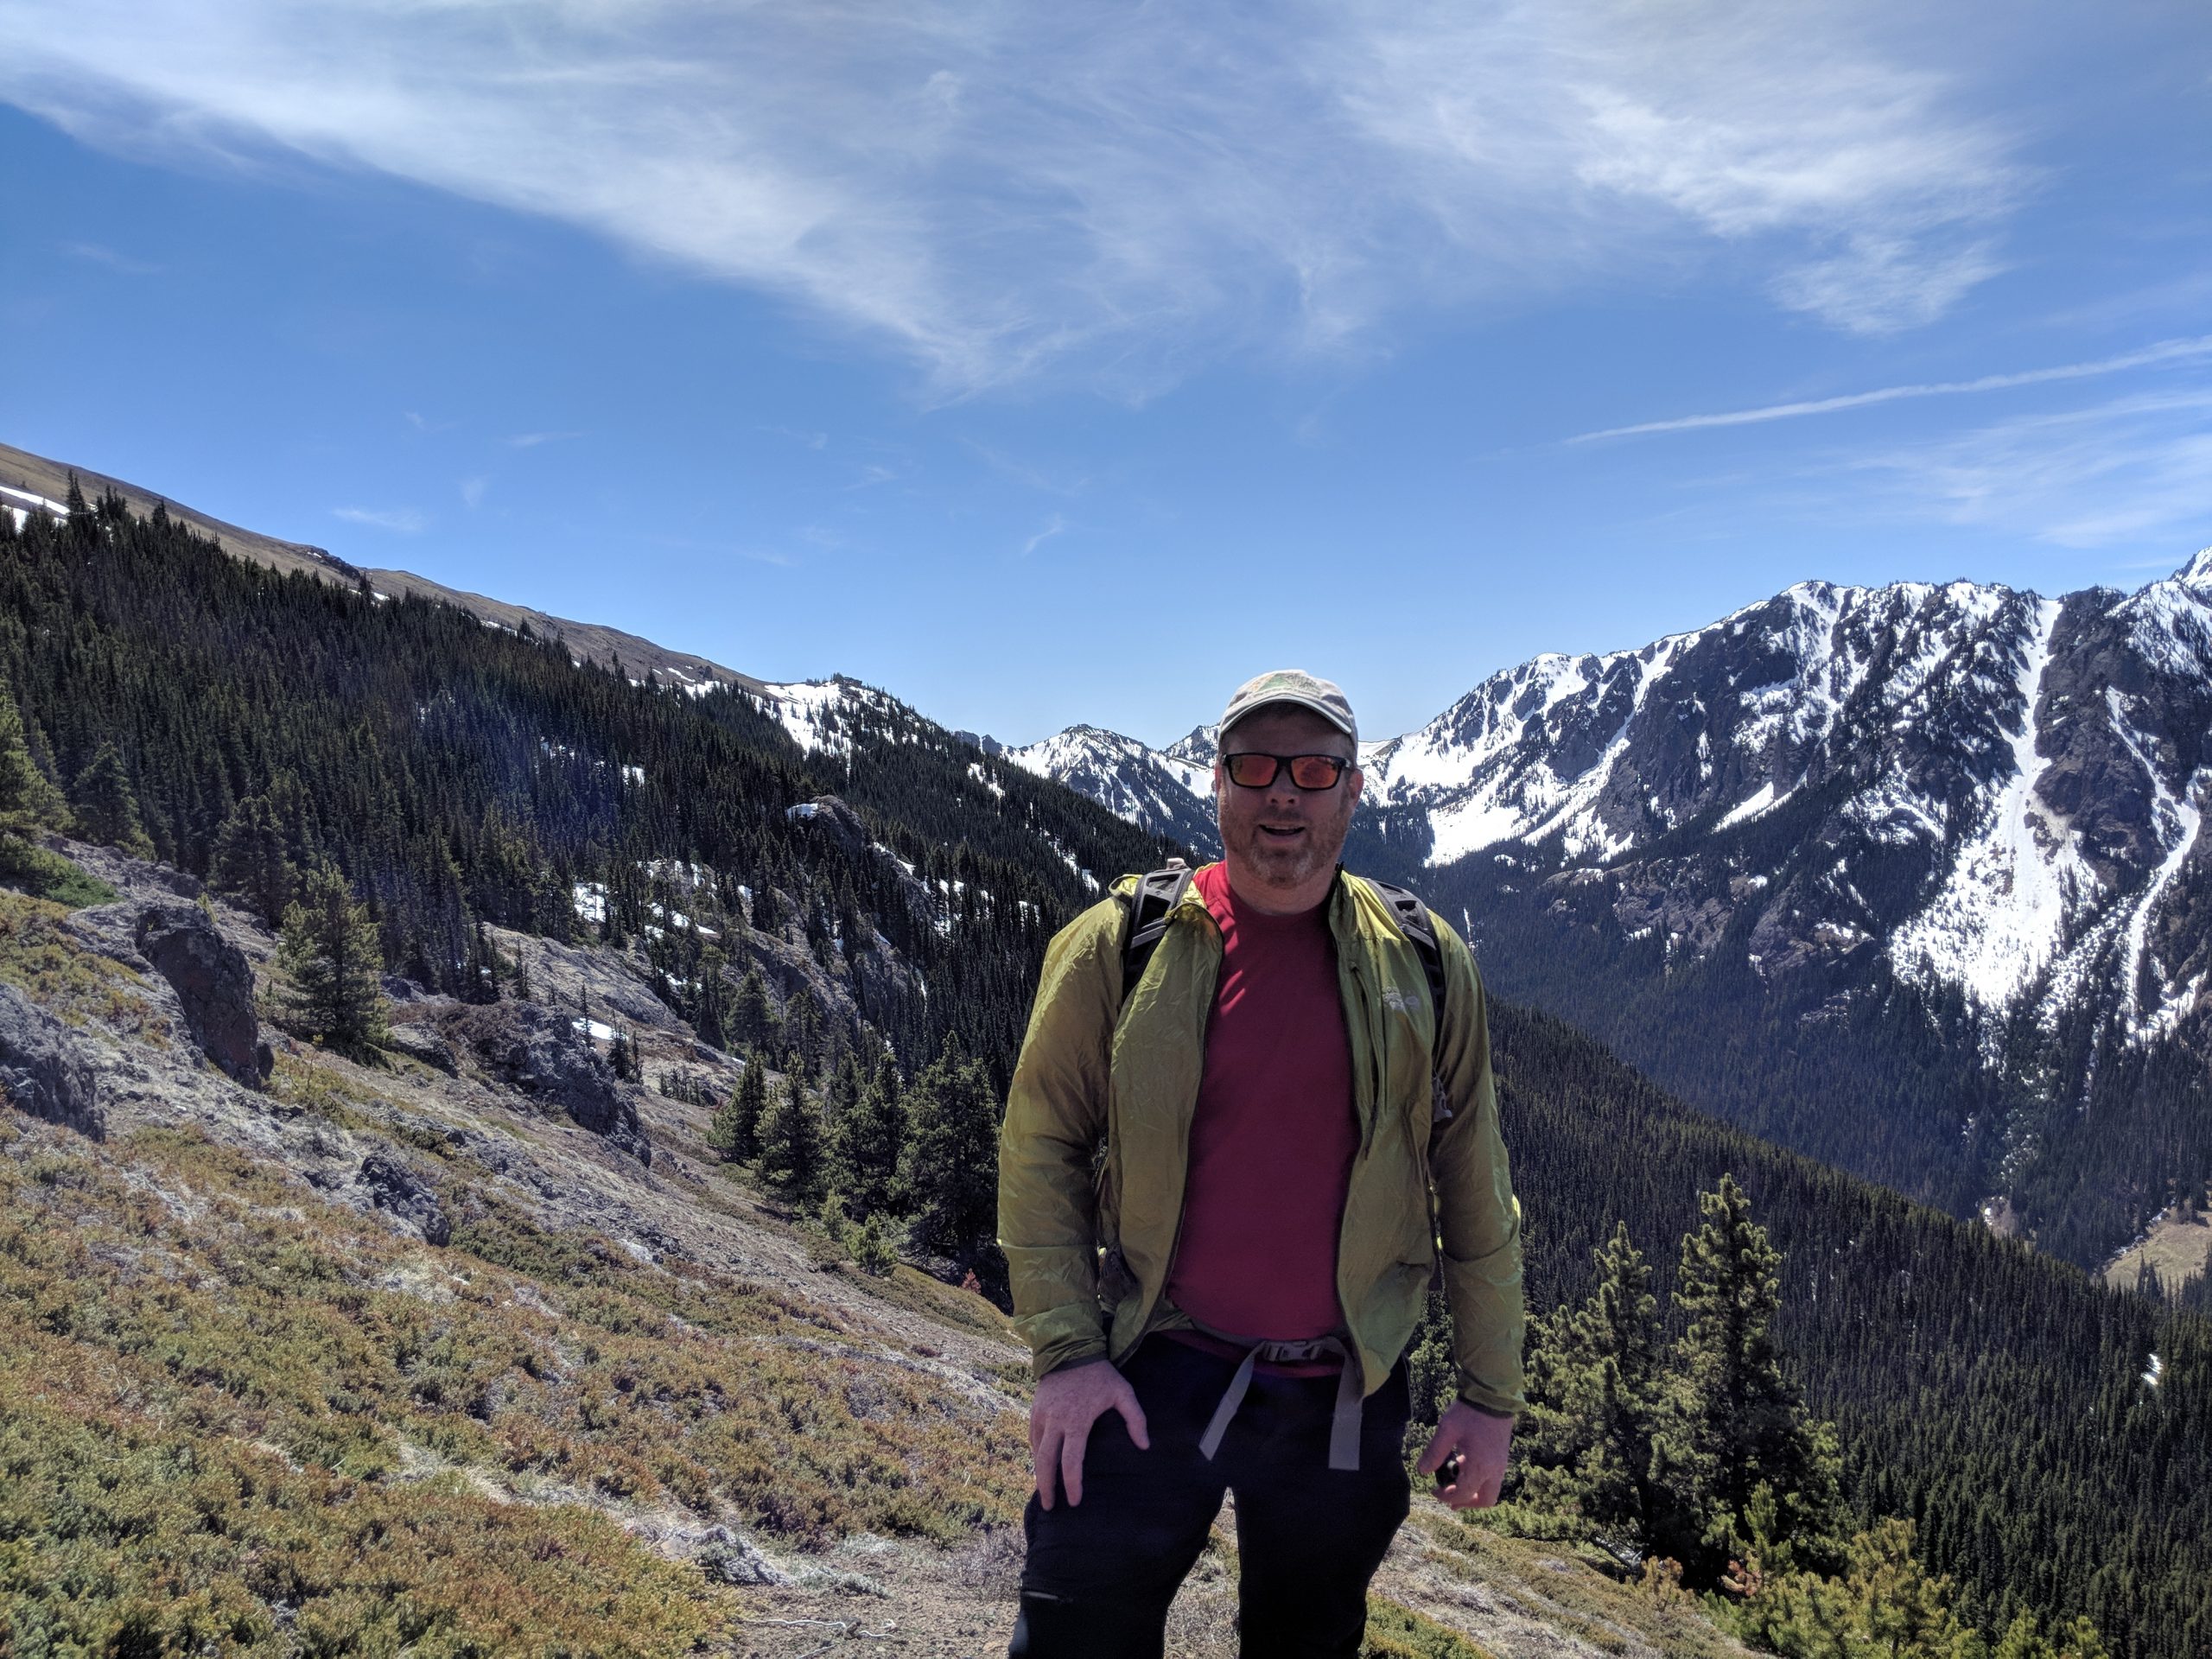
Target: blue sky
pixel 1057 363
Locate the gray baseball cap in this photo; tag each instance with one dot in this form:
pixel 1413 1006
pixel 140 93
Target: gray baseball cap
pixel 1293 686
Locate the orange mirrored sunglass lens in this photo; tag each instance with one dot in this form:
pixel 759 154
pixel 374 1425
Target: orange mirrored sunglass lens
pixel 1311 772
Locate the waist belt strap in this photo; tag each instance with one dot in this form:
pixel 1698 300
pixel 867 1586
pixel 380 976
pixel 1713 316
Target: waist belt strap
pixel 1343 1421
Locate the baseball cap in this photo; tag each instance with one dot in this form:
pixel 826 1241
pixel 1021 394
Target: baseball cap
pixel 1293 685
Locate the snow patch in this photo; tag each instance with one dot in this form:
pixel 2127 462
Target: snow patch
pixel 2000 916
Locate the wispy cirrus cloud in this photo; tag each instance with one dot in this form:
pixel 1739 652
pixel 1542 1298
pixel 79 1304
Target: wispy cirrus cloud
pixel 2166 351
pixel 100 254
pixel 1055 525
pixel 2129 469
pixel 531 440
pixel 995 190
pixel 406 521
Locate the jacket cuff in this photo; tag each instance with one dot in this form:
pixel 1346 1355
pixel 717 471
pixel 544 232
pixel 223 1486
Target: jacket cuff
pixel 1065 1357
pixel 1488 1402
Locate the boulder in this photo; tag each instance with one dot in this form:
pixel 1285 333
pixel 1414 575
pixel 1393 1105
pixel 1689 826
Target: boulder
pixel 730 1558
pixel 392 1188
pixel 41 1069
pixel 213 981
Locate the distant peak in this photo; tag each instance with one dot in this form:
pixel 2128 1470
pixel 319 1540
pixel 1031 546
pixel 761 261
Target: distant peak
pixel 2197 572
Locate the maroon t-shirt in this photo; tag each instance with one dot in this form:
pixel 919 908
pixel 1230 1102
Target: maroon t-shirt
pixel 1274 1134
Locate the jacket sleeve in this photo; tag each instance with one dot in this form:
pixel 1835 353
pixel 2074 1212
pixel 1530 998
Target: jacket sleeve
pixel 1478 1218
pixel 1055 1116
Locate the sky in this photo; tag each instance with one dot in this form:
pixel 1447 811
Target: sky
pixel 1046 364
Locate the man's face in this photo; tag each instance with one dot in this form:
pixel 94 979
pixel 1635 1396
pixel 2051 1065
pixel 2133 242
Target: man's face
pixel 1281 842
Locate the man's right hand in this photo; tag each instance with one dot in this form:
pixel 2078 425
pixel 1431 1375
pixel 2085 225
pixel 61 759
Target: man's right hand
pixel 1068 1401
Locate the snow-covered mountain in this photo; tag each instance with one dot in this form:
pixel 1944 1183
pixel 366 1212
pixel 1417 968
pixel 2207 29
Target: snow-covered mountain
pixel 2045 761
pixel 1166 791
pixel 1981 795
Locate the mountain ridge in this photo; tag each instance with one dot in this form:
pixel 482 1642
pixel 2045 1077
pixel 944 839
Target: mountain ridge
pixel 28 480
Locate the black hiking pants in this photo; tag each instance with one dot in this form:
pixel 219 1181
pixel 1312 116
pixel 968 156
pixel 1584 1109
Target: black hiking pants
pixel 1100 1574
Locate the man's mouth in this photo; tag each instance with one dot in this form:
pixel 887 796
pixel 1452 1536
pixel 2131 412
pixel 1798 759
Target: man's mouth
pixel 1282 831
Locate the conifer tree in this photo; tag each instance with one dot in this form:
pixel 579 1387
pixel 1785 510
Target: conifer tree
pixel 790 1144
pixel 735 1131
pixel 867 1141
pixel 951 1164
pixel 752 1021
pixel 107 809
pixel 2024 1639
pixel 1885 1603
pixel 1597 1390
pixel 1734 1421
pixel 710 1000
pixel 1432 1374
pixel 253 860
pixel 329 952
pixel 28 801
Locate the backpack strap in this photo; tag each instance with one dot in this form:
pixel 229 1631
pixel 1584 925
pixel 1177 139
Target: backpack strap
pixel 1421 928
pixel 1156 896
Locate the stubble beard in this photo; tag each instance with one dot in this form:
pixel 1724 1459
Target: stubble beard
pixel 1285 868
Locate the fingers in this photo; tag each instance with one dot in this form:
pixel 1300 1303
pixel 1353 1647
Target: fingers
pixel 1441 1445
pixel 1045 1454
pixel 1132 1415
pixel 1476 1488
pixel 1071 1449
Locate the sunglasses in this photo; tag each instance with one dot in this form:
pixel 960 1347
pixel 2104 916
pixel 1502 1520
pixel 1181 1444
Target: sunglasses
pixel 1309 771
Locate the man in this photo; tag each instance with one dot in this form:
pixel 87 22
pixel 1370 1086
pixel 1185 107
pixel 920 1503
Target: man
pixel 1222 1299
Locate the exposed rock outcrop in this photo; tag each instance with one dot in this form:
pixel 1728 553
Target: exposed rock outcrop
pixel 539 1051
pixel 395 1189
pixel 421 1042
pixel 41 1071
pixel 213 982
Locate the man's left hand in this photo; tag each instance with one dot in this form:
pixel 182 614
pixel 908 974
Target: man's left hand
pixel 1479 1440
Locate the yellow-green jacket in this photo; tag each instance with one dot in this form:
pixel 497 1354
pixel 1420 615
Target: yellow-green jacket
pixel 1093 1068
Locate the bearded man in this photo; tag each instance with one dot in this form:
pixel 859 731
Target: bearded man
pixel 1225 1186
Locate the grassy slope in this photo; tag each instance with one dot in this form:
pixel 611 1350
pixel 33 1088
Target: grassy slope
pixel 236 1417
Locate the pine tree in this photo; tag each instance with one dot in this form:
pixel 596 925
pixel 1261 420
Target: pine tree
pixel 28 801
pixel 1734 1421
pixel 1598 1389
pixel 752 1021
pixel 253 860
pixel 1432 1374
pixel 710 999
pixel 951 1164
pixel 107 808
pixel 867 1141
pixel 734 1129
pixel 790 1144
pixel 1886 1603
pixel 329 952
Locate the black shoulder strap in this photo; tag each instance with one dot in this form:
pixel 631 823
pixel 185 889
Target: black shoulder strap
pixel 1413 916
pixel 1156 895
pixel 1420 927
